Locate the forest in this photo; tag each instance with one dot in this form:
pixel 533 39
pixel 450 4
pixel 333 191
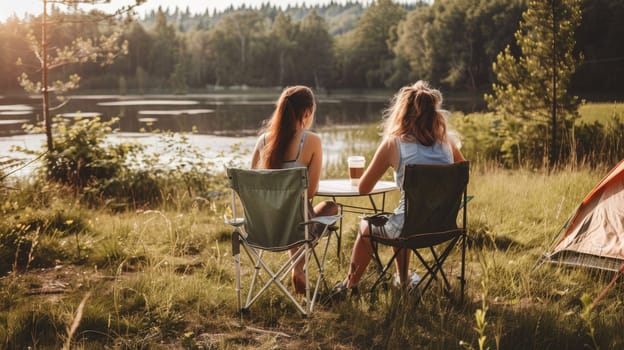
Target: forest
pixel 450 43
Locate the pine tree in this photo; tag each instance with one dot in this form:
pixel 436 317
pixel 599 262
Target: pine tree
pixel 82 50
pixel 531 95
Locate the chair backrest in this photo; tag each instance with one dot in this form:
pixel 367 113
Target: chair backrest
pixel 274 205
pixel 433 197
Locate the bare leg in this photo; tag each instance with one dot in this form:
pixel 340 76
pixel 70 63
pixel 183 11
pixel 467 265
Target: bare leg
pixel 360 257
pixel 402 265
pixel 298 277
pixel 325 208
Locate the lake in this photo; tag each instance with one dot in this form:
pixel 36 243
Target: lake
pixel 217 121
pixel 229 114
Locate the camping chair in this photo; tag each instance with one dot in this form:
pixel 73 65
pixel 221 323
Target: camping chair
pixel 275 220
pixel 434 195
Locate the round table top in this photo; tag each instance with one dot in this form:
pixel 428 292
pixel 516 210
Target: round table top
pixel 343 188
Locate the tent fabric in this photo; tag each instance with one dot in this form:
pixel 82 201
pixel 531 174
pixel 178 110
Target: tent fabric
pixel 594 235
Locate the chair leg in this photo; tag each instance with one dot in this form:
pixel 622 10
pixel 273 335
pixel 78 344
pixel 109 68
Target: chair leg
pixel 462 278
pixel 307 251
pixel 320 263
pixel 274 277
pixel 439 261
pixel 384 269
pixel 236 254
pixel 435 270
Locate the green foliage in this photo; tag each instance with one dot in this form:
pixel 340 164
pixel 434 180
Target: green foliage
pixel 80 156
pixel 595 142
pixel 450 43
pixel 523 95
pixel 103 50
pixel 453 42
pixel 365 56
pixel 599 141
pixel 314 51
pixel 150 177
pixel 479 134
pixel 40 239
pixel 164 51
pixel 586 316
pixel 232 47
pixel 7 165
pixel 125 175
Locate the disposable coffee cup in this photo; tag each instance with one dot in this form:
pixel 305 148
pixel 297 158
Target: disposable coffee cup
pixel 356 169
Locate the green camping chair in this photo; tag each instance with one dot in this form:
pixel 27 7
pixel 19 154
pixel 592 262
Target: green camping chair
pixel 434 196
pixel 275 220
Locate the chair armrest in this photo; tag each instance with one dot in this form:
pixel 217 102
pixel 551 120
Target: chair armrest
pixel 376 215
pixel 378 219
pixel 236 222
pixel 324 220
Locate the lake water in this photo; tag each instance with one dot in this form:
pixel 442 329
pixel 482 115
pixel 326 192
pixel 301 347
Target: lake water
pixel 217 121
pixel 237 114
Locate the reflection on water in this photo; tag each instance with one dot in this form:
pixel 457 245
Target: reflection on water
pixel 148 103
pixel 205 114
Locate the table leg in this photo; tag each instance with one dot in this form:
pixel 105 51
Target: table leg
pixel 374 205
pixel 372 201
pixel 339 235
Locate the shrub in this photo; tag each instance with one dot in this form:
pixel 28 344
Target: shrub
pixel 80 156
pixel 483 138
pixel 123 175
pixel 599 143
pixel 480 135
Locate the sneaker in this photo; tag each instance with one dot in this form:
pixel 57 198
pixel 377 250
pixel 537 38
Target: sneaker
pixel 413 282
pixel 341 292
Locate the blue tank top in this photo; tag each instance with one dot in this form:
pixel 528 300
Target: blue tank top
pixel 416 153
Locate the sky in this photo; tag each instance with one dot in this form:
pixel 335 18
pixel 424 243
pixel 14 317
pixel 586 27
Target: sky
pixel 21 7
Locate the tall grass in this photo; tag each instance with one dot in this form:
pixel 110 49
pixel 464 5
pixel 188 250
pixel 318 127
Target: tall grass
pixel 166 277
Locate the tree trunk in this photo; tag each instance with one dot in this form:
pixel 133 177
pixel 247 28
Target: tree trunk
pixel 44 77
pixel 553 146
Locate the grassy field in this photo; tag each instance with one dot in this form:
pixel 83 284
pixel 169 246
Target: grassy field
pixel 163 278
pixel 591 112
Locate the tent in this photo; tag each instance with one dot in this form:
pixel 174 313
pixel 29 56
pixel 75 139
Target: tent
pixel 594 235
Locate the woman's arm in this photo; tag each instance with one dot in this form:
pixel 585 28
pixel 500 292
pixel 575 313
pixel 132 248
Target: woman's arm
pixel 314 146
pixel 457 155
pixel 385 157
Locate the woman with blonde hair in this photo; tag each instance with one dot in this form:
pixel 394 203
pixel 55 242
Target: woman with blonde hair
pixel 286 142
pixel 415 132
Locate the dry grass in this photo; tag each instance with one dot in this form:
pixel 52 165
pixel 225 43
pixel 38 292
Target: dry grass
pixel 164 279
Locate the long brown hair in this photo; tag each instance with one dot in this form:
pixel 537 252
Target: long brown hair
pixel 290 108
pixel 414 115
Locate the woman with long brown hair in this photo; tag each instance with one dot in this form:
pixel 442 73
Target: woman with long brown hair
pixel 285 142
pixel 415 132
